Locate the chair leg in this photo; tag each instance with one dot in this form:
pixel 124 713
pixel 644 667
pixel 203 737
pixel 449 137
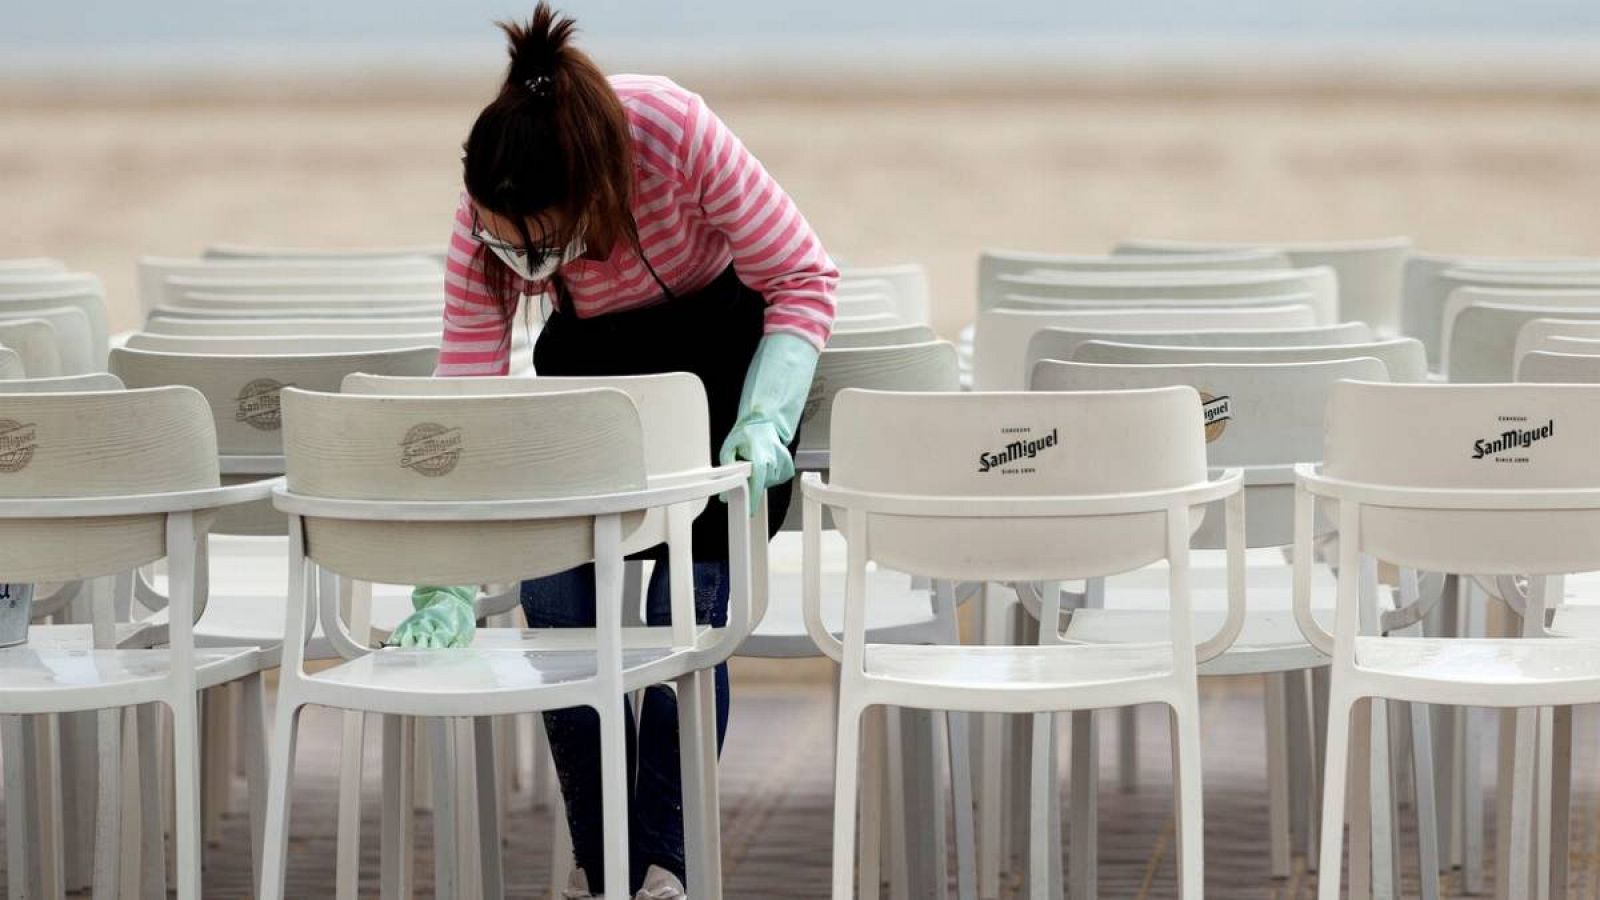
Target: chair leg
pixel 1128 749
pixel 152 802
pixel 1423 781
pixel 1321 683
pixel 960 741
pixel 253 733
pixel 1380 785
pixel 706 683
pixel 396 834
pixel 108 806
pixel 465 779
pixel 1560 800
pixel 19 855
pixel 129 838
pixel 216 765
pixel 1524 784
pixel 441 753
pixel 1359 788
pixel 1334 775
pixel 894 768
pixel 347 845
pixel 1186 766
pixel 1083 833
pixel 614 793
pixel 492 880
pixel 847 745
pixel 697 761
pixel 186 785
pixel 874 784
pixel 275 843
pixel 81 760
pixel 1276 715
pixel 47 782
pixel 1042 779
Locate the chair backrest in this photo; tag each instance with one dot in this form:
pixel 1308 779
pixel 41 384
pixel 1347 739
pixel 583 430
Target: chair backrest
pixel 1019 301
pixel 100 444
pixel 994 263
pixel 673 418
pixel 242 394
pixel 69 329
pixel 90 303
pixel 877 322
pixel 1546 367
pixel 1370 270
pixel 34 341
pixel 910 287
pixel 1001 336
pixel 225 310
pixel 866 304
pixel 65 384
pixel 179 286
pixel 257 345
pixel 1471 437
pixel 1532 334
pixel 154 270
pixel 42 282
pixel 881 337
pixel 1403 358
pixel 35 265
pixel 11 367
pixel 263 253
pixel 267 327
pixel 1016 445
pixel 1424 290
pixel 462 449
pixel 930 366
pixel 1481 335
pixel 1320 282
pixel 1059 343
pixel 1258 415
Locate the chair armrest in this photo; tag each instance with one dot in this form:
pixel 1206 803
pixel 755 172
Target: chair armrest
pixel 138 504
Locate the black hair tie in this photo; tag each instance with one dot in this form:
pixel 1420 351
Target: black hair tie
pixel 540 85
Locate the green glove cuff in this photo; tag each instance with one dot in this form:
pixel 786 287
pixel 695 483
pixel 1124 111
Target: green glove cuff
pixel 777 383
pixel 444 617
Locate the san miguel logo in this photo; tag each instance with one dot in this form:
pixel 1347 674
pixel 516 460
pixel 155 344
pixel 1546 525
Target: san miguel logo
pixel 430 449
pixel 1217 411
pixel 1505 442
pixel 258 405
pixel 1016 451
pixel 17 443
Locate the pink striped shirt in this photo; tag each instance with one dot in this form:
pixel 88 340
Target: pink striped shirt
pixel 701 201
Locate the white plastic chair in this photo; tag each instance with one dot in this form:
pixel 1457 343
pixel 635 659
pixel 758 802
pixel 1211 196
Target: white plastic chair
pixel 1447 498
pixel 909 283
pixel 497 489
pixel 1319 282
pixel 266 253
pixel 1144 301
pixel 154 270
pixel 36 265
pixel 1402 357
pixel 1544 367
pixel 1059 343
pixel 266 327
pixel 1482 330
pixel 881 337
pixel 1117 494
pixel 994 263
pixel 1370 270
pixel 1425 290
pixel 228 310
pixel 875 322
pixel 90 304
pixel 179 286
pixel 1532 334
pixel 11 364
pixel 65 384
pixel 866 304
pixel 34 342
pixel 267 345
pixel 1001 336
pixel 95 485
pixel 74 345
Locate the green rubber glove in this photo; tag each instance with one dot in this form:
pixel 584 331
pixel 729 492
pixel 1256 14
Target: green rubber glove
pixel 444 617
pixel 770 405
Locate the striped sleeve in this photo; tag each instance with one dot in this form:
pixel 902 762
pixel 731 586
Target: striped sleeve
pixel 476 338
pixel 774 249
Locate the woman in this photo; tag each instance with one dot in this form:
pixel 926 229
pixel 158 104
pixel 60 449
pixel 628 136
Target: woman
pixel 662 245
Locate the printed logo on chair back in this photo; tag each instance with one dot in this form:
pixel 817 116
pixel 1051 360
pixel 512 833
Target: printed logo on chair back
pixel 17 443
pixel 1217 412
pixel 430 449
pixel 1016 457
pixel 259 404
pixel 1509 444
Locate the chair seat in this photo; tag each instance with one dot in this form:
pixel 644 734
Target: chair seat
pixel 51 676
pixel 1483 664
pixel 1270 641
pixel 988 671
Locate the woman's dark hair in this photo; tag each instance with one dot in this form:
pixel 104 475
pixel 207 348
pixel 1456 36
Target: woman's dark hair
pixel 552 147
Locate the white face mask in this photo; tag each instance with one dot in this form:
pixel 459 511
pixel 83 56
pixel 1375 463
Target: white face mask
pixel 517 260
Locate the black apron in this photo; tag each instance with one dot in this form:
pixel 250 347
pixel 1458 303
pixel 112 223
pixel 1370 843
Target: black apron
pixel 711 333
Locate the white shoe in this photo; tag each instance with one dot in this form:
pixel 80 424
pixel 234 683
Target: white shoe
pixel 659 884
pixel 577 887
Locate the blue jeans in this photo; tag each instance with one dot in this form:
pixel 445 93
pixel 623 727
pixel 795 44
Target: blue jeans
pixel 655 799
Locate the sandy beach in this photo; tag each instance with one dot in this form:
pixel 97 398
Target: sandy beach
pixel 932 174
